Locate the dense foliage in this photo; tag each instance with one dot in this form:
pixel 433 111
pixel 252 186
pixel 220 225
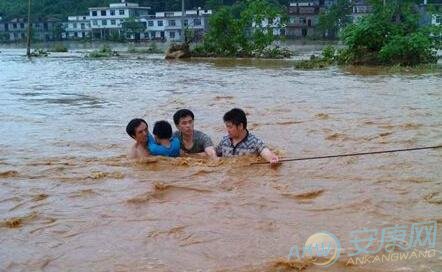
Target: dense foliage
pixel 62 8
pixel 390 35
pixel 237 31
pixel 334 19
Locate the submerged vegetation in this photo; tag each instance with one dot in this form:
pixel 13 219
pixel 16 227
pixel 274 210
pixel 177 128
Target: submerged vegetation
pixel 59 47
pixel 152 49
pixel 39 52
pixel 104 52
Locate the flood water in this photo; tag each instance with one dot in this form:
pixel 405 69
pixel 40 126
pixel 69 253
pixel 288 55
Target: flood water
pixel 70 200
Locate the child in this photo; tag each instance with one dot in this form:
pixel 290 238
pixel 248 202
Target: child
pixel 163 144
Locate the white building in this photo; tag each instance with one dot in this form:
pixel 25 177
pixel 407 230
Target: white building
pixel 361 8
pixel 167 25
pixel 276 27
pixel 77 27
pixel 436 19
pixel 108 21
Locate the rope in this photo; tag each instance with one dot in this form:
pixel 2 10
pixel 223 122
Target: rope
pixel 355 154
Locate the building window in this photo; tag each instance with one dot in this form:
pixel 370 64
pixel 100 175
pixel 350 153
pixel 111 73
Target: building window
pixel 113 22
pixel 292 20
pixel 160 23
pixel 94 13
pixel 14 25
pixel 186 22
pixel 22 25
pixel 82 26
pixel 172 35
pixel 95 22
pixel 103 13
pixel 112 12
pixel 150 23
pixel 197 21
pixel 121 11
pixel 172 23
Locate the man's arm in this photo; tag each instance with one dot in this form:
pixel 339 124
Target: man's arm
pixel 208 146
pixel 269 156
pixel 210 151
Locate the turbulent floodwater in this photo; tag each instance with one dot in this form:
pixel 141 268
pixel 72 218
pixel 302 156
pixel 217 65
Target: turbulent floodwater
pixel 70 200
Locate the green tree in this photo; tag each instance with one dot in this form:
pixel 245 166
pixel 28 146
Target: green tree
pixel 213 4
pixel 131 26
pixel 390 35
pixel 57 31
pixel 239 29
pixel 336 18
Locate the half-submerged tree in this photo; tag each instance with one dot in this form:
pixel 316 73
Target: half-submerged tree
pixel 244 29
pixel 390 35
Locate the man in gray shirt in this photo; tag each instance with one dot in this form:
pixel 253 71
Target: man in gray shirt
pixel 192 141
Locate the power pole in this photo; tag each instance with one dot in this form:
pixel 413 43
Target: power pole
pixel 28 49
pixel 183 14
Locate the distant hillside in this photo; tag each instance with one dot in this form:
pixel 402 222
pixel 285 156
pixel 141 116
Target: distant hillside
pixel 62 8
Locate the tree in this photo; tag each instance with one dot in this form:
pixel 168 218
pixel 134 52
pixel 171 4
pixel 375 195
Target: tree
pixel 335 18
pixel 214 4
pixel 132 26
pixel 390 35
pixel 239 29
pixel 57 31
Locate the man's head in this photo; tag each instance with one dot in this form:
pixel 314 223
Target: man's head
pixel 137 129
pixel 236 122
pixel 162 130
pixel 183 120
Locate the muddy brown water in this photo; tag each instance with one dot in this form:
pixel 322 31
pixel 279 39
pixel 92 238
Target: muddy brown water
pixel 70 200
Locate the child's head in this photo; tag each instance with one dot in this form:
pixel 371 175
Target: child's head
pixel 162 130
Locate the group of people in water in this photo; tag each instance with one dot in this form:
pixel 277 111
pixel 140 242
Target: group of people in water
pixel 186 140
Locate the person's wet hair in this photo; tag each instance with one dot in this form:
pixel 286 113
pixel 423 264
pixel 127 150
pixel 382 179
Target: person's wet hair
pixel 236 116
pixel 133 124
pixel 163 130
pixel 181 114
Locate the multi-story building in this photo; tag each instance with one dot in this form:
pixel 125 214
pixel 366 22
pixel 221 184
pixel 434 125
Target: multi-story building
pixel 276 27
pixel 433 15
pixel 168 25
pixel 303 18
pixel 106 22
pixel 77 27
pixel 118 19
pixel 16 30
